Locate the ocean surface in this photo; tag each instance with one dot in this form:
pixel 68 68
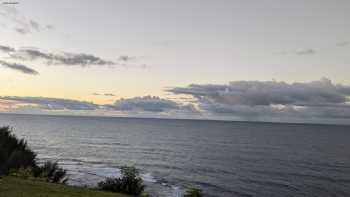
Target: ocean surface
pixel 222 158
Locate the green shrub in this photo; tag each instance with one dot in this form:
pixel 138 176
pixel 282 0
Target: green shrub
pixel 194 192
pixel 52 172
pixel 129 183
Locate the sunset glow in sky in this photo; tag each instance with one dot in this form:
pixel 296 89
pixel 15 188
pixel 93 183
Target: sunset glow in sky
pixel 237 60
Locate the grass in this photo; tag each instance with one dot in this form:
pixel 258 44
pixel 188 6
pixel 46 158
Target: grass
pixel 16 187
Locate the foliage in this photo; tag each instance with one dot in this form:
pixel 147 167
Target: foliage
pixel 129 183
pixel 52 172
pixel 194 192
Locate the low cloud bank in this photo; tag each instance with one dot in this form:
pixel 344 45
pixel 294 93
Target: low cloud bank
pixel 149 104
pixel 271 99
pixel 49 103
pixel 319 101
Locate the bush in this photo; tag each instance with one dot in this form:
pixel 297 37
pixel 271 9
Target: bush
pixel 129 183
pixel 52 172
pixel 194 192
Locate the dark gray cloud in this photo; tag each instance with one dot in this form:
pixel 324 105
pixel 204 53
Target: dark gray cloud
pixel 270 98
pixel 6 49
pixel 52 103
pixel 19 67
pixel 306 52
pixel 252 93
pixel 79 59
pixel 150 104
pixel 61 58
pixel 65 58
pixel 147 103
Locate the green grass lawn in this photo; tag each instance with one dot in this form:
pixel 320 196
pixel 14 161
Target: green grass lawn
pixel 15 187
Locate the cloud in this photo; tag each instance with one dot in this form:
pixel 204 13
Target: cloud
pixel 10 3
pixel 6 49
pixel 49 27
pixel 79 59
pixel 35 25
pixel 19 23
pixel 51 103
pixel 149 104
pixel 105 94
pixel 311 51
pixel 125 58
pixel 257 99
pixel 7 11
pixel 60 58
pixel 306 52
pixel 65 58
pixel 342 44
pixel 109 94
pixel 19 67
pixel 22 31
pixel 318 101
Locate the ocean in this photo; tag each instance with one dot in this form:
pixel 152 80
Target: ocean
pixel 223 158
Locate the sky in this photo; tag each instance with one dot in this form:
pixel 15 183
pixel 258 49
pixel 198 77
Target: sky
pixel 284 61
